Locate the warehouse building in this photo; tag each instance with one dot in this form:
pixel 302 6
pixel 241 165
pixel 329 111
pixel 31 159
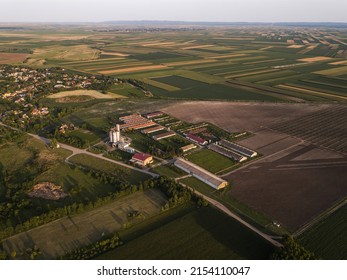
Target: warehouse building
pixel 227 153
pixel 196 139
pixel 201 174
pixel 238 148
pixel 187 148
pixel 153 129
pixel 135 122
pixel 153 114
pixel 164 135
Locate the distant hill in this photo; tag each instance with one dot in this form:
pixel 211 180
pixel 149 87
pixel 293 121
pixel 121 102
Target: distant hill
pixel 166 23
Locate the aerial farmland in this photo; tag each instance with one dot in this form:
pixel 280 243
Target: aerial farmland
pixel 260 108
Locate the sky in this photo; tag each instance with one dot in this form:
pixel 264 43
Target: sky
pixel 171 10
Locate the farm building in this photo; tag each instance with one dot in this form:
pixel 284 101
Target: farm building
pixel 115 134
pixel 196 139
pixel 226 152
pixel 188 148
pixel 152 129
pixel 153 114
pixel 125 147
pixel 135 122
pixel 238 148
pixel 164 135
pixel 142 159
pixel 201 174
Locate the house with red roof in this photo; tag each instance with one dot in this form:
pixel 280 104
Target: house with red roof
pixel 142 159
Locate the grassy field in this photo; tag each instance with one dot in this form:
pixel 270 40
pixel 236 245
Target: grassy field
pixel 210 160
pixel 179 82
pixel 89 227
pixel 70 53
pixel 328 239
pixel 127 174
pixel 212 235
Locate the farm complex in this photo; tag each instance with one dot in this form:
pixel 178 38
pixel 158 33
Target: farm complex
pixel 120 139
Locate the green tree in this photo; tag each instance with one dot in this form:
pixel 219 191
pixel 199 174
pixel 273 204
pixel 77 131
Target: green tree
pixel 292 250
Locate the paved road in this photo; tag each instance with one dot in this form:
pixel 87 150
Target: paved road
pixel 221 207
pixel 77 151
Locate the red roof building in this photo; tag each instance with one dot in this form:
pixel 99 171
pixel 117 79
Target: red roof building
pixel 142 159
pixel 196 139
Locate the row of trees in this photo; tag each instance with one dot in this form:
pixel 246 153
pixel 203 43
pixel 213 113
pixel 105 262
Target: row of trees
pixel 292 250
pixel 95 249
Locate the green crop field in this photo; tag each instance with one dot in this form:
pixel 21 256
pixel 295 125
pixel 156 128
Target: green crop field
pixel 157 55
pixel 215 92
pixel 129 175
pixel 179 82
pixel 210 160
pixel 212 235
pixel 328 239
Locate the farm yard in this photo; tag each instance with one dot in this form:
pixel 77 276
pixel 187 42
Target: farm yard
pixel 295 180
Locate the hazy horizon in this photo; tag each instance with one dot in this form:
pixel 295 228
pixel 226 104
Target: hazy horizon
pixel 98 11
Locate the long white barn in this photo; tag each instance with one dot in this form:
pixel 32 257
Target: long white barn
pixel 201 174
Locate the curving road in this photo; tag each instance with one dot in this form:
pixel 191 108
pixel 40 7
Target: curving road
pixel 77 151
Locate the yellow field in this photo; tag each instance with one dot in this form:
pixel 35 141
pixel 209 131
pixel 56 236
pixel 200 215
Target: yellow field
pixel 295 46
pixel 304 90
pixel 251 73
pixel 92 93
pixel 262 61
pixel 133 69
pixel 333 72
pixel 160 85
pixel 116 54
pixel 75 53
pixel 197 47
pixel 159 44
pixel 266 48
pixel 315 59
pixel 343 62
pixel 228 55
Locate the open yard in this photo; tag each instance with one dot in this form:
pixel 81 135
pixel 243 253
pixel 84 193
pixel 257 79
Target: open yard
pixel 212 236
pixel 69 233
pixel 210 160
